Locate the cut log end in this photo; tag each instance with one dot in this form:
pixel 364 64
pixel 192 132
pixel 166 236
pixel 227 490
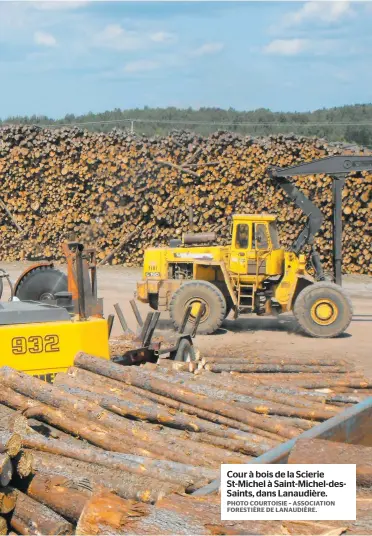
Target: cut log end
pixel 24 463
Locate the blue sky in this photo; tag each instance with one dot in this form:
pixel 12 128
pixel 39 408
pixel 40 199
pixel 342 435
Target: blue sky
pixel 75 57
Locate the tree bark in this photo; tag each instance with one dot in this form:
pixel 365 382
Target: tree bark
pixel 248 445
pixel 10 443
pixel 8 498
pixel 139 435
pixel 128 486
pixel 6 469
pixel 141 378
pixel 31 517
pixel 187 476
pixel 62 495
pixel 118 386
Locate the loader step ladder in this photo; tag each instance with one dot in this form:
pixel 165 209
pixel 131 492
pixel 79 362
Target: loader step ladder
pixel 245 294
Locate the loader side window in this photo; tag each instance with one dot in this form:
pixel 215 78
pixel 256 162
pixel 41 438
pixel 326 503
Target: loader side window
pixel 242 236
pixel 260 240
pixel 274 235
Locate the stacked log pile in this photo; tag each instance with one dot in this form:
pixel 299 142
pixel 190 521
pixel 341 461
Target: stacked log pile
pixel 124 192
pixel 109 449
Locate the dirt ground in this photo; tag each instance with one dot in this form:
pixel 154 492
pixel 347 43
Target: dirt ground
pixel 250 335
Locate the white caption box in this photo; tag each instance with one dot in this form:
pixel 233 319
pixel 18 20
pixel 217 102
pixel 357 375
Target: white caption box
pixel 298 492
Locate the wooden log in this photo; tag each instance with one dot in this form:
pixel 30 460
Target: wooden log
pixel 179 168
pixel 3 526
pixel 266 392
pixel 8 498
pixel 254 360
pixel 105 421
pixel 140 378
pixel 31 517
pixel 252 404
pixel 121 408
pixel 6 469
pixel 128 486
pixel 264 368
pixel 10 443
pixel 187 476
pixel 175 515
pixel 109 184
pixel 250 444
pixel 118 248
pixel 62 495
pixel 120 387
pixel 11 420
pixel 313 450
pixel 24 462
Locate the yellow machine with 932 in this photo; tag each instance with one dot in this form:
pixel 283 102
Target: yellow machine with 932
pixel 42 339
pixel 254 274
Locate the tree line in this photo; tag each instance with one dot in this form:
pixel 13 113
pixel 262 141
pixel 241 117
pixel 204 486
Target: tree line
pixel 352 123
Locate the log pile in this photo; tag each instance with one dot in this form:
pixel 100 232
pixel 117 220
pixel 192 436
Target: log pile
pixel 109 449
pixel 123 193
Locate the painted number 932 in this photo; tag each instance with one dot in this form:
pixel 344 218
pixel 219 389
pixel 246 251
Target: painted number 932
pixel 35 344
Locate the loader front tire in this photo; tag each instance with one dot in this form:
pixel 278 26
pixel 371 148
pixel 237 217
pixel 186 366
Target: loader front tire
pixel 323 310
pixel 196 293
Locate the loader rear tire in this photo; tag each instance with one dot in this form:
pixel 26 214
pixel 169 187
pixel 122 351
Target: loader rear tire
pixel 195 293
pixel 323 310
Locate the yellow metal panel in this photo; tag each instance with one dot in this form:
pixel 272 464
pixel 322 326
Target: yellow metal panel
pixel 50 347
pixel 142 292
pixel 205 273
pixel 153 286
pixel 253 217
pixel 154 265
pixel 274 262
pixel 191 254
pixel 293 267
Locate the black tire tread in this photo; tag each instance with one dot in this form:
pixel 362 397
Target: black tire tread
pixel 301 308
pixel 209 286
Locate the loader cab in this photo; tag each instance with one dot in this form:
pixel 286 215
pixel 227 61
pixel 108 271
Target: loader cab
pixel 255 248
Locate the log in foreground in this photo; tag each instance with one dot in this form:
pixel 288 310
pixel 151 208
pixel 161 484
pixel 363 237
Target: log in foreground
pixel 135 404
pixel 6 469
pixel 129 435
pixel 8 498
pixel 125 484
pixel 267 368
pixel 250 445
pixel 59 493
pixel 10 443
pixel 143 379
pixel 181 514
pixel 31 517
pixel 188 476
pixel 120 387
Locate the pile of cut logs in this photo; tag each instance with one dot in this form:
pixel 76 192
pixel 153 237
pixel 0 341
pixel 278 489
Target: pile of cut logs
pixel 109 449
pixel 123 192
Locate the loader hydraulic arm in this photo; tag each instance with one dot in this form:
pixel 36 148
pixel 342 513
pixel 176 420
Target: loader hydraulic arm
pixel 314 214
pixel 338 167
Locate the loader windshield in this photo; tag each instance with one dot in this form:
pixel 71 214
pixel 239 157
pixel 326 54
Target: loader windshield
pixel 274 235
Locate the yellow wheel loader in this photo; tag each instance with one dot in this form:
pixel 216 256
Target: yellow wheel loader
pixel 254 274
